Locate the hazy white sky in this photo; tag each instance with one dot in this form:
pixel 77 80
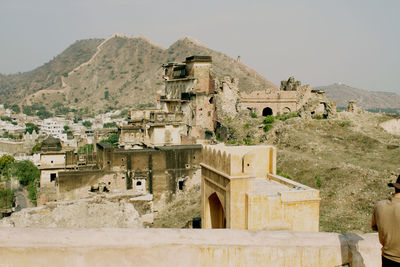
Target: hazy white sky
pixel 318 41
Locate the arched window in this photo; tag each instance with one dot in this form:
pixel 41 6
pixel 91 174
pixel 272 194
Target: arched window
pixel 267 111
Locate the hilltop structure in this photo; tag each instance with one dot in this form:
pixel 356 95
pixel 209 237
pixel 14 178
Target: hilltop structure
pixel 158 150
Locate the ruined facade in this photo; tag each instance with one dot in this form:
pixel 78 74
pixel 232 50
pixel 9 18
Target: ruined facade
pixel 240 190
pixel 161 171
pixel 189 88
pixel 288 99
pixel 150 128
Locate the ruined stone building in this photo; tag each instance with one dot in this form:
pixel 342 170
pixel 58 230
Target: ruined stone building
pixel 241 190
pixel 189 88
pixel 160 171
pixel 288 99
pixel 150 128
pixel 157 149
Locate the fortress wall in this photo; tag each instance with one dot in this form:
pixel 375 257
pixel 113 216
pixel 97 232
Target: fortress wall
pixel 13 147
pixel 249 160
pixel 184 247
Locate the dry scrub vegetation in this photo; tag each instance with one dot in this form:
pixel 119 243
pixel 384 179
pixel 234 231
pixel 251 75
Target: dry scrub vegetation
pixel 350 159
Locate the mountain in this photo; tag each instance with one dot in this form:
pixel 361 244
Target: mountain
pixel 342 94
pixel 15 87
pixel 120 71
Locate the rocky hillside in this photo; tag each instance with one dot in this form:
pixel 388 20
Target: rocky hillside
pixel 350 158
pixel 16 87
pixel 342 94
pixel 117 72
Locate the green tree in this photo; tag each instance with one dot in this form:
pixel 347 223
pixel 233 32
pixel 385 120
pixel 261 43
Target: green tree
pixel 35 148
pixel 28 175
pixel 30 127
pixel 6 198
pixel 5 162
pixel 15 108
pixel 112 139
pixel 26 172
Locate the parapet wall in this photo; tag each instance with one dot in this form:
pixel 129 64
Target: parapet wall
pixel 184 247
pixel 239 161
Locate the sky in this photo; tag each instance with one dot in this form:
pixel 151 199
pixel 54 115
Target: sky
pixel 320 42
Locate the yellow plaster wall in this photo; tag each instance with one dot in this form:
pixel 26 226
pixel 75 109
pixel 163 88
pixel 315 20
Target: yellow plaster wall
pixel 232 173
pixel 184 247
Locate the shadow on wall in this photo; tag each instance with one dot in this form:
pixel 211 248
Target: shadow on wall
pixel 351 255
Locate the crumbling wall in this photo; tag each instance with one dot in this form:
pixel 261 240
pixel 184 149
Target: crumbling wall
pixel 353 108
pixel 318 105
pixel 74 185
pixel 10 147
pixel 227 99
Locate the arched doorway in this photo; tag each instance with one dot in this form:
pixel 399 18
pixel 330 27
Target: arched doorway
pixel 267 111
pixel 286 110
pixel 217 214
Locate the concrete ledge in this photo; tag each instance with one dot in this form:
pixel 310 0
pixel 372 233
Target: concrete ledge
pixel 183 247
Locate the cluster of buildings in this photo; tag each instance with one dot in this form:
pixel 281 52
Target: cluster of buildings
pixel 16 140
pixel 160 150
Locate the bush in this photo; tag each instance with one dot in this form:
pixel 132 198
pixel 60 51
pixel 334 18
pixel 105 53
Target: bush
pixel 279 172
pixel 318 180
pixel 253 115
pixel 267 127
pixel 344 124
pixel 87 124
pixel 14 108
pixel 28 175
pixel 287 116
pixel 110 124
pixel 6 198
pixel 248 141
pixel 318 117
pixel 35 148
pixel 30 127
pixel 246 125
pixel 5 162
pixel 269 119
pixel 44 114
pixel 112 139
pixel 5 118
pixel 88 148
pixel 26 172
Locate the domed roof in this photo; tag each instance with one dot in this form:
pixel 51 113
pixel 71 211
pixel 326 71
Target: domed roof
pixel 51 144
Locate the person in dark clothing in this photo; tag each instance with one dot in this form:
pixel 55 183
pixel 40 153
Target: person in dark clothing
pixel 386 220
